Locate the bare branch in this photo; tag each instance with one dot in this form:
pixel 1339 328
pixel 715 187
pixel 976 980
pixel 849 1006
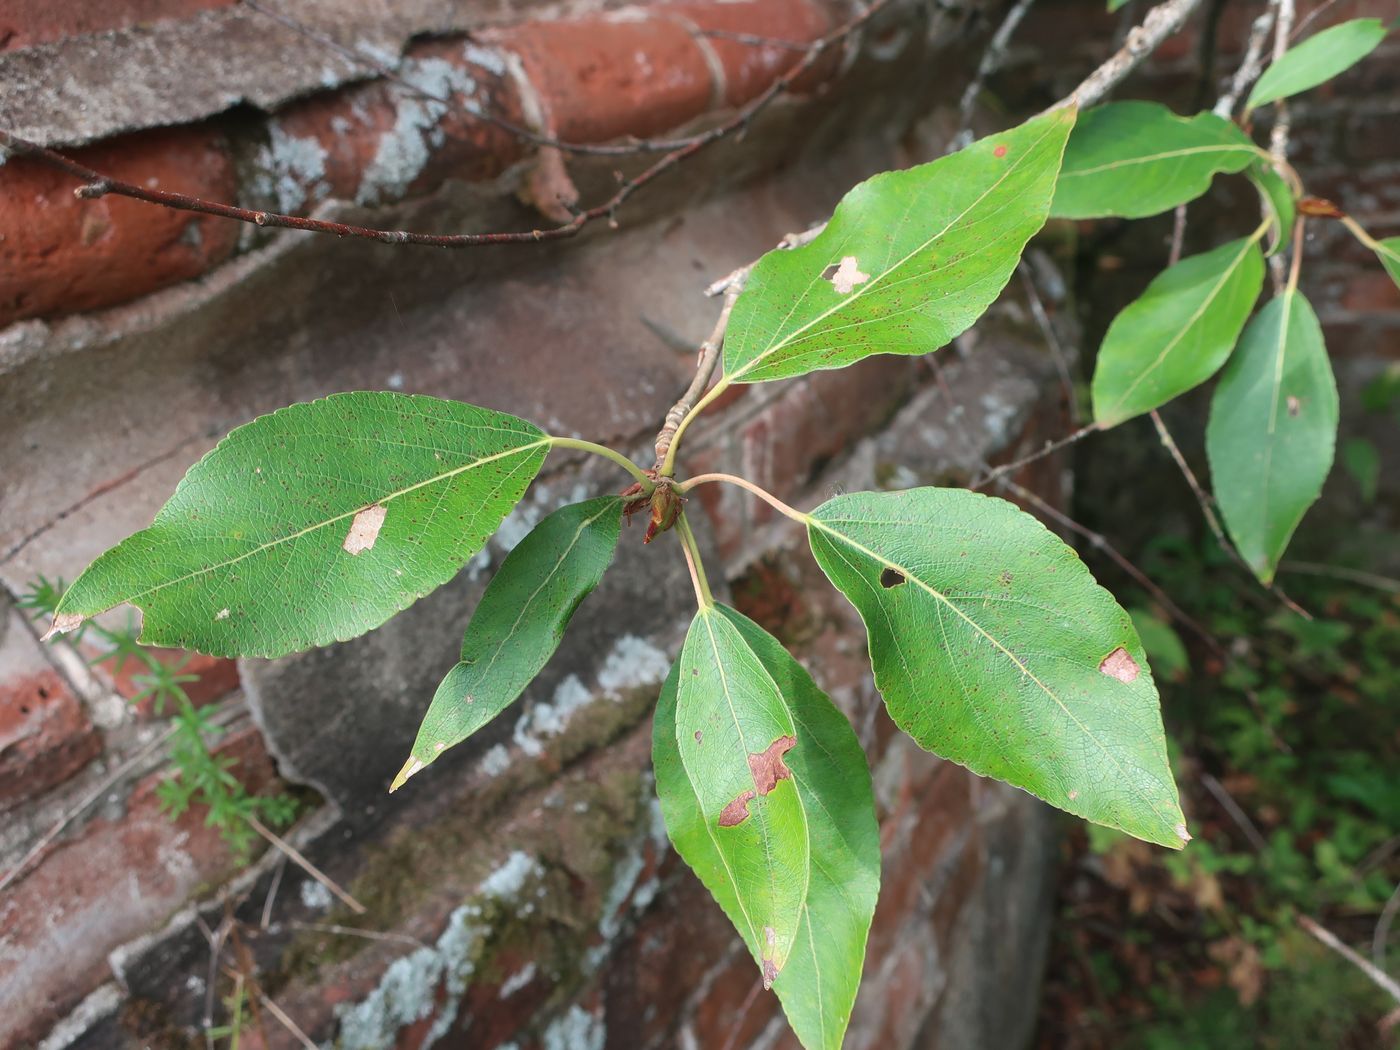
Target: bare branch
pixel 992 59
pixel 1251 65
pixel 1161 22
pixel 1379 977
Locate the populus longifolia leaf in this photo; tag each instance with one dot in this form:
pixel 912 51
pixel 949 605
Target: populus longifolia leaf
pixel 821 772
pixel 519 623
pixel 1388 252
pixel 1317 59
pixel 909 260
pixel 1272 430
pixel 315 523
pixel 994 647
pixel 1134 159
pixel 1178 333
pixel 1279 203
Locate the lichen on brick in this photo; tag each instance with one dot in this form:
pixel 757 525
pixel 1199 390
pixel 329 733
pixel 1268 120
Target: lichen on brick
pixel 404 150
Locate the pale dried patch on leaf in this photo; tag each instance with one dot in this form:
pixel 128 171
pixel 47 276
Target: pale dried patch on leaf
pixel 847 275
pixel 62 624
pixel 1120 665
pixel 409 768
pixel 1182 833
pixel 364 530
pixel 222 614
pixel 768 767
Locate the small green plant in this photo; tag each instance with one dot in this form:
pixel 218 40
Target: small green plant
pixel 989 640
pixel 199 777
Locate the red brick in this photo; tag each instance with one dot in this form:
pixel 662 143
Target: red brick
pixel 112 881
pixel 605 77
pixel 45 736
pixel 24 23
pixel 1372 292
pixel 59 254
pixel 351 125
pixel 749 68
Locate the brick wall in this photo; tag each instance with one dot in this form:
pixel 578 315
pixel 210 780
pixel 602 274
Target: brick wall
pixel 520 892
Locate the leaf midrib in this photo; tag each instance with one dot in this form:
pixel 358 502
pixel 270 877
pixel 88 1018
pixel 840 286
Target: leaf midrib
pixel 1154 157
pixel 291 537
pixel 866 289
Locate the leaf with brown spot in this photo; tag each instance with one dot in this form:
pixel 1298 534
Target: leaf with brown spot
pixel 993 653
pixel 364 529
pixel 909 259
pixel 316 523
pixel 819 764
pixel 1272 430
pixel 1120 664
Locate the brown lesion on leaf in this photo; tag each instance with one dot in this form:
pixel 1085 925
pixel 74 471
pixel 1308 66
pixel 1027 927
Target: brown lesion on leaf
pixel 1294 406
pixel 770 968
pixel 736 812
pixel 364 529
pixel 891 578
pixel 767 768
pixel 1119 664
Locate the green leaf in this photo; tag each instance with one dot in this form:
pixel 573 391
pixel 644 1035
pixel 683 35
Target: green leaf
pixel 1178 333
pixel 818 985
pixel 1278 202
pixel 734 728
pixel 994 647
pixel 909 260
pixel 1272 430
pixel 1363 462
pixel 1388 252
pixel 1318 58
pixel 315 524
pixel 1133 159
pixel 1114 5
pixel 518 623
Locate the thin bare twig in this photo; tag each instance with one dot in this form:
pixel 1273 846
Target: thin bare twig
pixel 1278 135
pixel 1381 933
pixel 1251 65
pixel 992 58
pixel 97 184
pixel 1379 977
pixel 1052 339
pixel 1238 815
pixel 1050 448
pixel 305 865
pixel 704 369
pixel 351 931
pixel 286 1022
pixel 1337 572
pixel 1161 22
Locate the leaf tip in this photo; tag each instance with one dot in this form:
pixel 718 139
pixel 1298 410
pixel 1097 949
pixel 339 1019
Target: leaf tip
pixel 410 767
pixel 63 623
pixel 1182 834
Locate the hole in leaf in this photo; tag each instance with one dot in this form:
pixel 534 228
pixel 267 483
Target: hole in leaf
pixel 891 578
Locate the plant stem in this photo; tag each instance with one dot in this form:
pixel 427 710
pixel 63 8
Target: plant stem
pixel 607 453
pixel 703 596
pixel 668 465
pixel 1297 265
pixel 1360 234
pixel 763 494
